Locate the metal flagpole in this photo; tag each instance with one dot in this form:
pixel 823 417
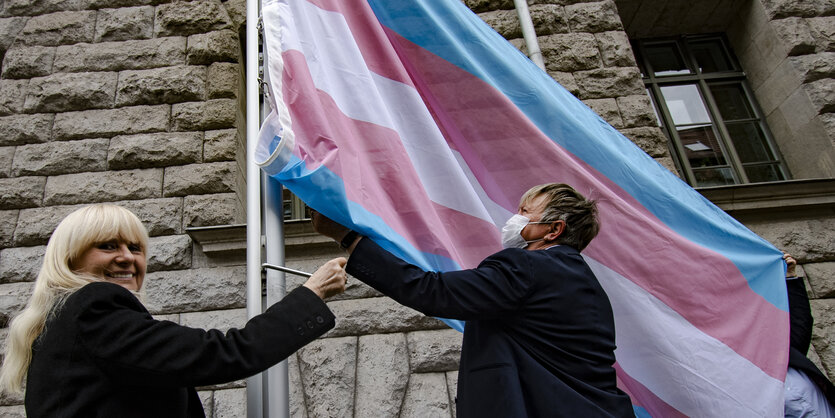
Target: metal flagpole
pixel 254 386
pixel 529 33
pixel 277 388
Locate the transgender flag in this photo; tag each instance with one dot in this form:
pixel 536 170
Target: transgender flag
pixel 416 124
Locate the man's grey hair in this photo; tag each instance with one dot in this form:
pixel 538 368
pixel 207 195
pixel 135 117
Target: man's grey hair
pixel 563 203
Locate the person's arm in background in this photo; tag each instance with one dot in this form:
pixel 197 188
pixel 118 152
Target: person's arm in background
pixel 800 312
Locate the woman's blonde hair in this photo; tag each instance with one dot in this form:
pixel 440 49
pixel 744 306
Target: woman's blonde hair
pixel 79 231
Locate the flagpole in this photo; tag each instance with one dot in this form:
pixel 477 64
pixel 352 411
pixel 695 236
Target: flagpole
pixel 254 384
pixel 529 33
pixel 277 387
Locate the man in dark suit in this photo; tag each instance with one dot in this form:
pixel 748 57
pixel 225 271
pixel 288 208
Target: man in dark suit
pixel 540 337
pixel 808 391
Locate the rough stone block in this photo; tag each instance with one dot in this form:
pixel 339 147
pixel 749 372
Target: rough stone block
pixel 8 222
pixel 206 48
pixel 108 186
pixel 779 9
pixel 434 351
pixel 6 155
pixel 606 109
pixel 220 145
pixel 13 411
pixel 230 403
pixel 237 13
pixel 25 129
pixel 485 5
pixel 649 139
pixel 34 226
pixel 160 216
pixel 570 52
pixel 161 85
pixel 795 34
pixel 21 264
pixel 116 56
pixel 813 67
pixel 821 277
pixel 196 290
pixel 593 17
pixel 382 374
pixel 13 298
pixel 9 30
pixel 636 110
pixel 609 82
pixel 21 192
pixel 220 320
pixel 207 400
pixel 566 80
pixel 823 30
pixel 60 28
pixel 199 179
pixel 61 157
pixel 426 396
pixel 823 332
pixel 297 401
pixel 154 150
pixel 124 24
pixel 12 95
pixel 807 240
pixel 32 8
pixel 377 316
pixel 548 19
pixel 63 92
pixel 110 122
pixel 188 18
pixel 505 22
pixel 28 62
pixel 169 252
pixel 223 78
pixel 328 369
pixel 212 209
pixel 452 389
pixel 201 116
pixel 822 94
pixel 615 49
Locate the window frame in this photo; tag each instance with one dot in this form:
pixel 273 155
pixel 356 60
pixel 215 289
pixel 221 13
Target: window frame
pixel 703 81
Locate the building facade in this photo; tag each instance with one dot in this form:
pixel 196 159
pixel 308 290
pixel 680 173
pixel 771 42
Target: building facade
pixel 141 102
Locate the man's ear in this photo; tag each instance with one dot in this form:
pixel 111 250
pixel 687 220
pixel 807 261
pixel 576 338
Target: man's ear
pixel 557 228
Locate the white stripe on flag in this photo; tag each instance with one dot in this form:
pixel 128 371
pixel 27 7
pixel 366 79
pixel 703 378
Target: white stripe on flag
pixel 679 363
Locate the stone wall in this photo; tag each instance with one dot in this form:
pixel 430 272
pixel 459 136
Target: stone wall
pixel 134 102
pixel 787 48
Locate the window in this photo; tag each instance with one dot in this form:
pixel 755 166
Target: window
pixel 704 105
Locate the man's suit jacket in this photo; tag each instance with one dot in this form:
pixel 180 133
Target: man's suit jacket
pixel 103 355
pixel 539 336
pixel 800 315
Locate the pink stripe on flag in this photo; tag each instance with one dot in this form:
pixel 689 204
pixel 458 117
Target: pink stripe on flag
pixel 653 404
pixel 508 154
pixel 374 159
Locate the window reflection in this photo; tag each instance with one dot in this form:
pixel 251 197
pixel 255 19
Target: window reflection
pixel 685 104
pixel 666 59
pixel 711 56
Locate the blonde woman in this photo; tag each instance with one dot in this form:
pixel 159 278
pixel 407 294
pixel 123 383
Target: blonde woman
pixel 86 346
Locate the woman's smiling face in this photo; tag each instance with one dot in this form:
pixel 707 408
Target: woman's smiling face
pixel 116 261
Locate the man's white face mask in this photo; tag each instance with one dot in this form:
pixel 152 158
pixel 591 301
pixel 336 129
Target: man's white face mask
pixel 512 232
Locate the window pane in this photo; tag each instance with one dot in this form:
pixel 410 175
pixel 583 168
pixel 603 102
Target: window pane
pixel 710 56
pixel 718 176
pixel 685 104
pixel 749 142
pixel 761 173
pixel 666 59
pixel 700 146
pixel 732 102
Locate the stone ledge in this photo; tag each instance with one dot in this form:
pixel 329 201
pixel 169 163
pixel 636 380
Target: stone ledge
pixel 225 240
pixel 775 200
